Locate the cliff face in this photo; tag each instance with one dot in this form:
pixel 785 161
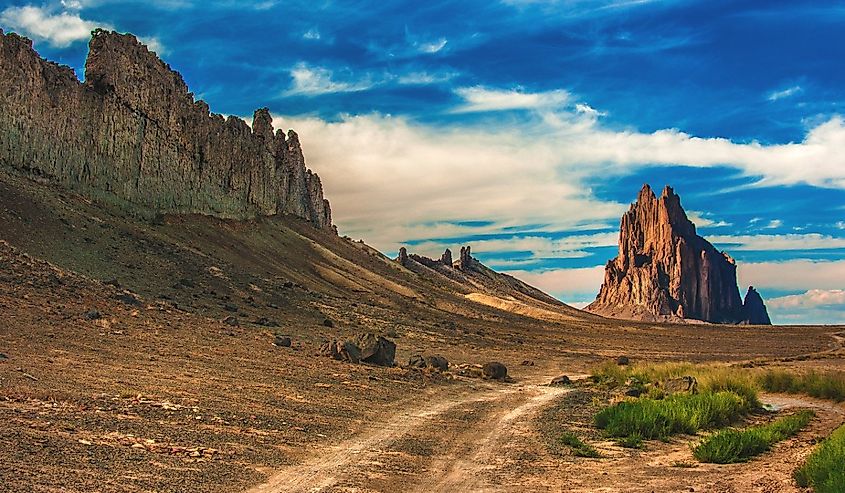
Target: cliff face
pixel 134 133
pixel 665 271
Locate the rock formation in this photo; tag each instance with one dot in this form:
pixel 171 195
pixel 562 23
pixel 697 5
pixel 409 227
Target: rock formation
pixel 132 134
pixel 754 310
pixel 446 258
pixel 466 261
pixel 666 272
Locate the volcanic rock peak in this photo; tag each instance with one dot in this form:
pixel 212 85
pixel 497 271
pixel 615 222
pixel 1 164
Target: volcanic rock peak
pixel 133 132
pixel 665 271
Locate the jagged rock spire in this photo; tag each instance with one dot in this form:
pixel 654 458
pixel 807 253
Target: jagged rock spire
pixel 446 258
pixel 664 270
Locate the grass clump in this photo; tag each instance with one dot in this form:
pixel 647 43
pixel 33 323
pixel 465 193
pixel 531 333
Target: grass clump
pixel 830 385
pixel 824 469
pixel 578 447
pixel 676 414
pixel 731 445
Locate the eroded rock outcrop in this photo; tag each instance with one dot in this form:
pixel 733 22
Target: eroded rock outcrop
pixel 133 134
pixel 754 310
pixel 667 272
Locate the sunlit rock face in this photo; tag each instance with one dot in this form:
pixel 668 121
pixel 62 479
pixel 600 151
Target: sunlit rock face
pixel 667 272
pixel 131 133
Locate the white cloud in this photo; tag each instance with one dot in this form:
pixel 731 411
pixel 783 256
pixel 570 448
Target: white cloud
pixel 480 98
pixel 792 274
pixel 312 34
pixel 701 220
pixel 432 46
pixel 58 29
pixel 565 284
pixel 840 224
pixel 813 298
pixel 774 224
pixel 784 93
pixel 791 241
pixel 313 81
pixel 424 78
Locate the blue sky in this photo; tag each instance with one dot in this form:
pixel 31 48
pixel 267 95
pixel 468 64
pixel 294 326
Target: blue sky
pixel 527 127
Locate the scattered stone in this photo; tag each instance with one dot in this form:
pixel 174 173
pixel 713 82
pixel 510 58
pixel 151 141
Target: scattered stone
pixel 527 362
pixel 112 282
pixel 437 362
pixel 328 323
pixel 494 370
pixel 376 350
pixel 266 322
pixel 282 341
pixel 230 307
pixel 232 321
pixel 93 315
pixel 128 298
pixel 342 351
pixel 3 357
pixel 623 361
pixel 560 381
pixel 416 361
pixel 634 392
pixel 685 384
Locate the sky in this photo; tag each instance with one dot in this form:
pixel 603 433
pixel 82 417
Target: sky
pixel 525 128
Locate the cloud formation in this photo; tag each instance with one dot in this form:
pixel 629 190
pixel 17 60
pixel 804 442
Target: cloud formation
pixel 313 81
pixel 58 29
pixel 478 98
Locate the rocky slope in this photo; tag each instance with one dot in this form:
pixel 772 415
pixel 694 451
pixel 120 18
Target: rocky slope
pixel 132 134
pixel 667 272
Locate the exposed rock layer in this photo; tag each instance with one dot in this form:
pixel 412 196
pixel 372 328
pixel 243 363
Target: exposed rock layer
pixel 134 133
pixel 665 271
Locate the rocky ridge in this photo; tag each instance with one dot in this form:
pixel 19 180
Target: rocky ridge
pixel 132 134
pixel 665 271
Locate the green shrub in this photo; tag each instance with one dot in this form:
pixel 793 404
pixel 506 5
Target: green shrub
pixel 676 414
pixel 824 469
pixel 579 448
pixel 830 385
pixel 729 446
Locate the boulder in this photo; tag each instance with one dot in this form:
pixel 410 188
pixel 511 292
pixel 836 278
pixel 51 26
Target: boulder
pixel 623 361
pixel 232 321
pixel 416 361
pixel 560 381
pixel 341 351
pixel 437 362
pixel 684 385
pixel 527 362
pixel 282 341
pixel 328 323
pixel 93 315
pixel 494 371
pixel 376 350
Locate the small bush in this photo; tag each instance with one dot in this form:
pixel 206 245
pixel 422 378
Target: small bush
pixel 730 446
pixel 676 414
pixel 635 440
pixel 829 385
pixel 824 470
pixel 579 448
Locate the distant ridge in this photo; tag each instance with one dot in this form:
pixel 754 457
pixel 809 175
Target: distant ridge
pixel 665 271
pixel 133 133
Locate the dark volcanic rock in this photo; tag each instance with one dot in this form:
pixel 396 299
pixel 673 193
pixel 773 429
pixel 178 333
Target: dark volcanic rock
pixel 403 256
pixel 341 351
pixel 133 134
pixel 494 371
pixel 665 271
pixel 282 341
pixel 560 381
pixel 466 260
pixel 376 350
pixel 754 310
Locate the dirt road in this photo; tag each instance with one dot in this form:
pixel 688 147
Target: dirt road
pixel 471 437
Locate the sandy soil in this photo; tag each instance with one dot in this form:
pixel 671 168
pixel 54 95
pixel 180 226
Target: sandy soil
pixel 153 392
